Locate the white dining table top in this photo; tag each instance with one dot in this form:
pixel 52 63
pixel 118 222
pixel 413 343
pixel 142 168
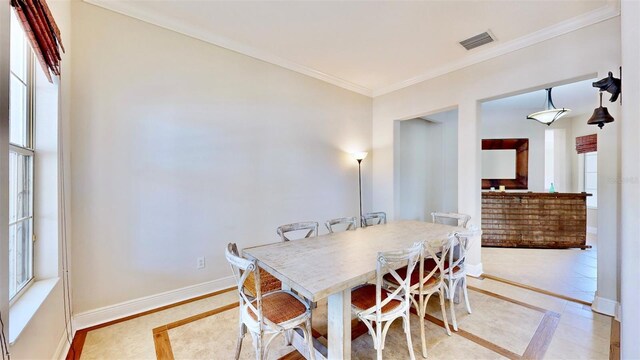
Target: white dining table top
pixel 320 266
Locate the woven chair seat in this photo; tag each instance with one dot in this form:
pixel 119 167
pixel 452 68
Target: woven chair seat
pixel 268 283
pixel 364 298
pixel 415 277
pixel 279 307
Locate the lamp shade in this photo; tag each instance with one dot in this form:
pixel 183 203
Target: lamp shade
pixel 600 116
pixel 549 115
pixel 360 155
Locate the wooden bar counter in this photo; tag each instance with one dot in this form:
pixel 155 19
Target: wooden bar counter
pixel 534 220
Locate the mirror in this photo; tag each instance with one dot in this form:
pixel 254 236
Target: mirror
pixel 499 164
pixel 505 162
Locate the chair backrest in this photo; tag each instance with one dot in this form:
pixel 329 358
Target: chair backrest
pixel 349 222
pixel 462 244
pixel 387 263
pixel 374 218
pixel 453 219
pixel 310 226
pixel 242 269
pixel 436 251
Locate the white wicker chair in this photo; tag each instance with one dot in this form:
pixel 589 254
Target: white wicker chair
pixel 376 307
pixel 454 219
pixel 425 282
pixel 374 218
pixel 275 313
pixel 349 222
pixel 455 272
pixel 310 226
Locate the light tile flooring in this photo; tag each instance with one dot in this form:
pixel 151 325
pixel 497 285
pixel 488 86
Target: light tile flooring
pixel 569 272
pixel 580 333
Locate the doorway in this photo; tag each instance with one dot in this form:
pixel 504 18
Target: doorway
pixel 554 165
pixel 427 170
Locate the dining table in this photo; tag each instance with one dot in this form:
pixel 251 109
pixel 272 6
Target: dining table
pixel 329 266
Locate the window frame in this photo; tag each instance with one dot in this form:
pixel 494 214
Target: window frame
pixel 584 177
pixel 27 150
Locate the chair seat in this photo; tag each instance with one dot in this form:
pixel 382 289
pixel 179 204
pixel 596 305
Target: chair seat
pixel 364 297
pixel 268 283
pixel 279 307
pixel 415 277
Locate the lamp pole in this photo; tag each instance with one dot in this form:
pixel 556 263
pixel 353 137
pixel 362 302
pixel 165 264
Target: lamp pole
pixel 359 156
pixel 360 187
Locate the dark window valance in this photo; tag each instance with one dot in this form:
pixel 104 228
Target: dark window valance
pixel 588 143
pixel 42 31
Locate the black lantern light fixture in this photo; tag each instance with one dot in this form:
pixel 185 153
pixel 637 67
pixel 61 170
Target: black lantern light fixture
pixel 549 115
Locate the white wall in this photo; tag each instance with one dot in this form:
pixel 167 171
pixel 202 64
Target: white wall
pixel 427 149
pixel 517 72
pixel 179 147
pixel 629 182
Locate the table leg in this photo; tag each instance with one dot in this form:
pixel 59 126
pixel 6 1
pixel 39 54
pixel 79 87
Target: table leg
pixel 339 322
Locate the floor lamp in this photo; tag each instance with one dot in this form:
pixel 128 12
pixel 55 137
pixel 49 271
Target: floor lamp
pixel 359 156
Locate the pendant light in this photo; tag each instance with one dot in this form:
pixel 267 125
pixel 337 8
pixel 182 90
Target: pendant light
pixel 549 115
pixel 600 116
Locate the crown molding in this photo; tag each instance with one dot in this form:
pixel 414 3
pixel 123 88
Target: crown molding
pixel 129 9
pixel 593 17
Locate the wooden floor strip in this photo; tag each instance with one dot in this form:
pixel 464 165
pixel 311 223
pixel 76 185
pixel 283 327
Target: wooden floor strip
pixel 193 318
pixel 163 345
pixel 501 297
pixel 542 338
pixel 75 350
pixel 160 309
pixel 614 348
pixel 533 288
pixel 476 339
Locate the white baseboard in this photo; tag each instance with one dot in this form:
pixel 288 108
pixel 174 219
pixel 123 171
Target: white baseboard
pixel 618 316
pixel 63 347
pixel 605 306
pixel 592 230
pixel 474 270
pixel 136 306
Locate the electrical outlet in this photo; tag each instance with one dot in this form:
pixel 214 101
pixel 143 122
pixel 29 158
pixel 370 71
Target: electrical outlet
pixel 201 263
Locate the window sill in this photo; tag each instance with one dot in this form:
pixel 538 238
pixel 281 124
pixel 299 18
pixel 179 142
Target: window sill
pixel 23 310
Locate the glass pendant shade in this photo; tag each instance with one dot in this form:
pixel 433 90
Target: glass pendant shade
pixel 549 115
pixel 600 116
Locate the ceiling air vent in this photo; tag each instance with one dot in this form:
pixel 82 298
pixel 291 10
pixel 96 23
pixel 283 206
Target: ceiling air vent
pixel 478 40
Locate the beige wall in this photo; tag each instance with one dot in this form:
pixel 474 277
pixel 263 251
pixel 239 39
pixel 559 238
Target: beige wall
pixel 179 147
pixel 517 72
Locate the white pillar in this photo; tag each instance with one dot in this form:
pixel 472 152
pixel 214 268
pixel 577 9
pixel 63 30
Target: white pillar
pixel 630 181
pixel 469 177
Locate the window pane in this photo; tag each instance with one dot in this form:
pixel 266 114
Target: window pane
pixel 12 261
pixel 20 218
pixel 13 187
pixel 18 112
pixel 18 49
pixel 21 271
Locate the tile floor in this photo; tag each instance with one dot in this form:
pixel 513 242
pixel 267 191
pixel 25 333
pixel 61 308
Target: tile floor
pixel 569 272
pixel 580 334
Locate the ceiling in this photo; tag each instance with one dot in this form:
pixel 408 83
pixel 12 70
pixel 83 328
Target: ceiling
pixel 371 47
pixel 581 97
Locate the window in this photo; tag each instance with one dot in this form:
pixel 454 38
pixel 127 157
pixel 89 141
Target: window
pixel 21 157
pixel 591 178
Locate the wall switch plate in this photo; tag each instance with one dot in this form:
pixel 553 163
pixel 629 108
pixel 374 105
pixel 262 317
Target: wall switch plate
pixel 201 263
